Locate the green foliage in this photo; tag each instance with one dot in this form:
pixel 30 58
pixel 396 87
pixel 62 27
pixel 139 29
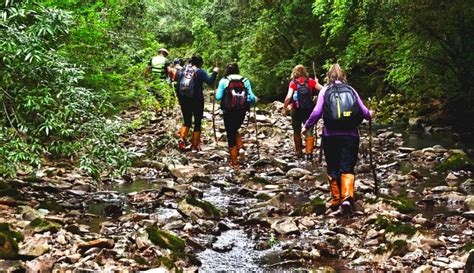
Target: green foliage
pixel 9 241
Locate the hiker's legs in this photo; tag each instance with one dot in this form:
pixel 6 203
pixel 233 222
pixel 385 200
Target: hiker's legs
pixel 238 138
pixel 296 123
pixel 332 155
pixel 232 122
pixel 198 111
pixel 309 138
pixel 349 152
pixel 187 110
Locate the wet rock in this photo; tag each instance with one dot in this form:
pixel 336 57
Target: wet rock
pixel 29 213
pixel 197 208
pixel 98 243
pixel 297 173
pixel 440 189
pixel 315 205
pixel 469 202
pixel 416 174
pixel 12 266
pixel 285 226
pixel 277 201
pixel 414 122
pixel 467 186
pixel 456 162
pixel 9 241
pixel 34 247
pixel 166 239
pixel 40 225
pixel 406 149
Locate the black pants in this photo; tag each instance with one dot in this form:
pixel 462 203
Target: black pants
pixel 232 122
pixel 298 117
pixel 190 108
pixel 341 154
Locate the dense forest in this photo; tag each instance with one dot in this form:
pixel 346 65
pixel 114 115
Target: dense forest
pixel 69 66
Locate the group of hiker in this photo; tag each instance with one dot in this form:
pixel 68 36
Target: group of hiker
pixel 337 103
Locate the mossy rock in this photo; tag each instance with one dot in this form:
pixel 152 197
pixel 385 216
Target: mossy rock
pixel 456 162
pixel 469 246
pixel 9 242
pixel 399 248
pixel 316 205
pixel 394 226
pixel 207 207
pixel 165 239
pixel 263 196
pixel 401 204
pixel 40 225
pixel 7 190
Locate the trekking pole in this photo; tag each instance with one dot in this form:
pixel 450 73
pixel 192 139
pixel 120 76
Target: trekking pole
pixel 256 130
pixel 213 110
pixel 376 188
pixel 316 130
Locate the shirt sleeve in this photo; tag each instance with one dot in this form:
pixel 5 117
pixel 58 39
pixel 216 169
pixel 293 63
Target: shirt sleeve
pixel 317 111
pixel 365 110
pixel 312 86
pixel 292 85
pixel 206 78
pixel 220 88
pixel 251 97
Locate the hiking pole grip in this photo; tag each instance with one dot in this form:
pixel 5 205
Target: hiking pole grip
pixel 376 188
pixel 214 109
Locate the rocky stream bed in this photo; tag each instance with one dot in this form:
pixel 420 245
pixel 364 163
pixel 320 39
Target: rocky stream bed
pixel 191 212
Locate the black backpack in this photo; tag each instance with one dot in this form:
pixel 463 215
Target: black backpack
pixel 235 95
pixel 341 110
pixel 304 98
pixel 186 82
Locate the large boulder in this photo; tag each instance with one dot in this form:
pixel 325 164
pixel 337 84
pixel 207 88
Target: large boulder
pixel 9 242
pixel 285 226
pixel 34 247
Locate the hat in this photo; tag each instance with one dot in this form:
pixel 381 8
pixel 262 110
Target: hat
pixel 163 50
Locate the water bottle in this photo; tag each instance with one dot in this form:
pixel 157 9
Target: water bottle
pixel 295 99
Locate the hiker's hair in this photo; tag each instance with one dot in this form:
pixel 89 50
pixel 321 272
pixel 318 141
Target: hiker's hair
pixel 232 68
pixel 298 72
pixel 335 73
pixel 197 61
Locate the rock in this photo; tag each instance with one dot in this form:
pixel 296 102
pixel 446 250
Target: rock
pixel 297 173
pixel 440 189
pixel 29 213
pixel 388 134
pixel 451 176
pixel 423 269
pixel 197 208
pixel 98 243
pixel 277 201
pixel 467 186
pixel 414 122
pixel 416 174
pixel 34 247
pixel 7 190
pixel 43 263
pixel 285 226
pixel 456 162
pixel 315 205
pixel 166 239
pixel 456 265
pixel 417 153
pixel 469 202
pixel 9 242
pixel 40 225
pixel 406 149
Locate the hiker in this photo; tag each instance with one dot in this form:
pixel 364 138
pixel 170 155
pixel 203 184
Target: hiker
pixel 159 66
pixel 189 89
pixel 176 67
pixel 300 94
pixel 342 111
pixel 236 95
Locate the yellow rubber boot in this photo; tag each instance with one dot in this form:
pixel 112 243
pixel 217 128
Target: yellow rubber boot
pixel 196 140
pixel 335 194
pixel 234 153
pixel 309 147
pixel 298 145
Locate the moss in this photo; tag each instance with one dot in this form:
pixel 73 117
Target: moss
pixel 316 205
pixel 140 260
pixel 401 204
pixel 40 225
pixel 206 206
pixel 7 190
pixel 165 239
pixel 401 228
pixel 382 222
pixel 456 162
pixel 260 180
pixel 9 242
pixel 381 249
pixel 469 246
pixel 263 196
pixel 399 248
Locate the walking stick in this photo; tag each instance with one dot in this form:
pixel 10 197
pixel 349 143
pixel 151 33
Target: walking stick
pixel 316 130
pixel 376 188
pixel 213 110
pixel 256 130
